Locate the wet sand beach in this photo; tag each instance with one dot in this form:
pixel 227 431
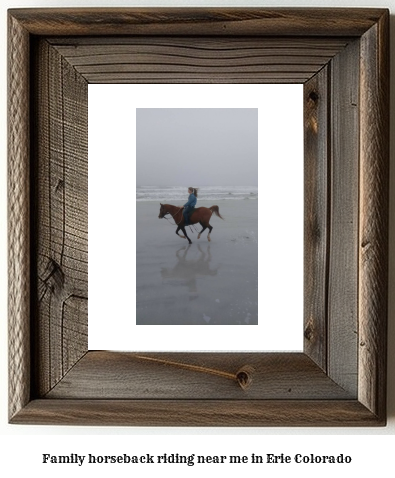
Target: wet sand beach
pixel 207 283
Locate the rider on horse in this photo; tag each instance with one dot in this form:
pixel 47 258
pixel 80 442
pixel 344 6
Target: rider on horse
pixel 189 206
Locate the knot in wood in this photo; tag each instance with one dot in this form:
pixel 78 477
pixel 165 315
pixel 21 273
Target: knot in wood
pixel 244 376
pixel 313 96
pixel 309 331
pixel 54 276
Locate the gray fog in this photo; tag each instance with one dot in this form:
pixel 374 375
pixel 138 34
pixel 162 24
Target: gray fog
pixel 199 146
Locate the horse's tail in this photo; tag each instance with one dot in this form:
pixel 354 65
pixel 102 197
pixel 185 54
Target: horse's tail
pixel 215 210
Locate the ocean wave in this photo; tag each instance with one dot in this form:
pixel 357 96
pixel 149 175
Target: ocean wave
pixel 210 193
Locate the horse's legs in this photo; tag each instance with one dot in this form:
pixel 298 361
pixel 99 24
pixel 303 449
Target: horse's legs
pixel 184 231
pixel 208 235
pixel 204 228
pixel 186 235
pixel 205 224
pixel 179 235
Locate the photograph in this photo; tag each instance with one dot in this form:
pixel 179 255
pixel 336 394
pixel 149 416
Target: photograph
pixel 197 171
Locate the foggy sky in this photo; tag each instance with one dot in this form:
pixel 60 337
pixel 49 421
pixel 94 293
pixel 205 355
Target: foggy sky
pixel 197 147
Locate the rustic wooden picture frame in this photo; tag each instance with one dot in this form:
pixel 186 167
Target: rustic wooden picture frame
pixel 342 58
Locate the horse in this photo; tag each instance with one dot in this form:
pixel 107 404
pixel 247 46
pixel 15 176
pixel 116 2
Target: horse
pixel 201 215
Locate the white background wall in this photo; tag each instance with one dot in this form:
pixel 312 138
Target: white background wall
pixel 22 447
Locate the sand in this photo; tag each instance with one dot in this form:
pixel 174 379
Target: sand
pixel 207 283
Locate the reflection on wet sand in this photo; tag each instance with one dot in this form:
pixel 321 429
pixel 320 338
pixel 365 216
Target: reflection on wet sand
pixel 188 269
pixel 212 283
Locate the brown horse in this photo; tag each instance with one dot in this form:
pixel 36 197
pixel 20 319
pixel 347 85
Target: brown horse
pixel 201 215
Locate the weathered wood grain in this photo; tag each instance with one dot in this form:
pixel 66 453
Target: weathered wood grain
pixel 202 413
pixel 344 217
pixel 18 218
pixel 373 228
pixel 331 22
pixel 163 59
pixel 316 215
pixel 61 228
pixel 110 375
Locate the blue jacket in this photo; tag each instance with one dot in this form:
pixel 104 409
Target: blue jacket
pixel 192 200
